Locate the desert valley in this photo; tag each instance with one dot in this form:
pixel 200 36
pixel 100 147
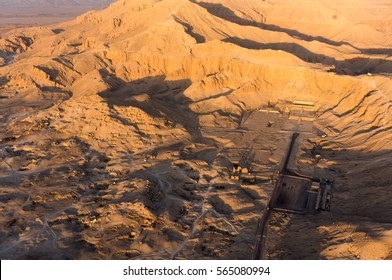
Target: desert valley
pixel 198 129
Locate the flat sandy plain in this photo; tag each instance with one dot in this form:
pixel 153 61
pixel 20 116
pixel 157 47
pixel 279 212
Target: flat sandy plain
pixel 119 130
pixel 23 13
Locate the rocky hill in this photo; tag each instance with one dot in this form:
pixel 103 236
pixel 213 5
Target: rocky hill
pixel 116 128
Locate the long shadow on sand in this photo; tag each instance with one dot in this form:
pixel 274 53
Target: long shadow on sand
pixel 354 66
pixel 379 51
pixel 225 13
pixel 157 97
pixel 189 30
pixel 3 81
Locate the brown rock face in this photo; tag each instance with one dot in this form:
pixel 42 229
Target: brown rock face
pixel 120 130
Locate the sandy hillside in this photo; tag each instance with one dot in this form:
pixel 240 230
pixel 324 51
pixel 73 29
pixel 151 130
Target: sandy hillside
pixel 119 130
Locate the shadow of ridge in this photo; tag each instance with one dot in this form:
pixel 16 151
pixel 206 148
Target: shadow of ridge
pixel 6 57
pixel 189 30
pixel 157 97
pixel 3 81
pixel 225 13
pixel 58 30
pixel 353 66
pixel 54 74
pixel 293 48
pixel 380 51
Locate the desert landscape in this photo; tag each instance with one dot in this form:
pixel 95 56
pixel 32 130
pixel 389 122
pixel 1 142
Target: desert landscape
pixel 197 129
pixel 26 13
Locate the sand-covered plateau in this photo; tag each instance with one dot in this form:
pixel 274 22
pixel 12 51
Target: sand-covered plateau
pixel 120 130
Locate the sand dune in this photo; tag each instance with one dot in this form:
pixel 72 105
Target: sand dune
pixel 120 129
